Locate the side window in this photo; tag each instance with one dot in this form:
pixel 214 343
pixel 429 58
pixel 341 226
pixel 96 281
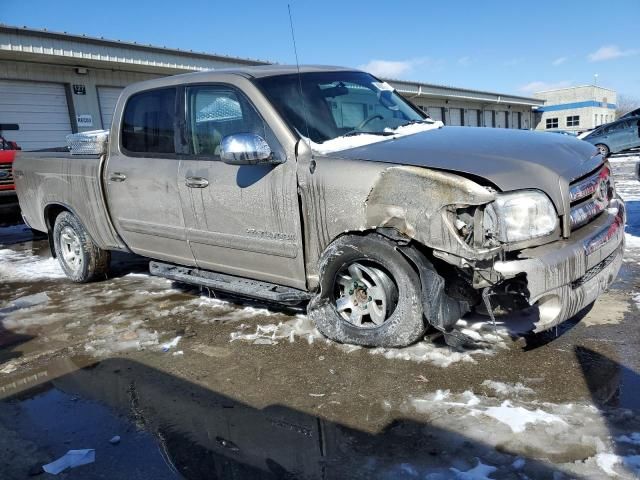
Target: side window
pixel 148 122
pixel 213 112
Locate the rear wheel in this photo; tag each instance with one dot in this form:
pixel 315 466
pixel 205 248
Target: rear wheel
pixel 80 258
pixel 604 150
pixel 369 294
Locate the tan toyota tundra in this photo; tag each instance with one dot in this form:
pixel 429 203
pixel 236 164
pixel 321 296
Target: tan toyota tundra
pixel 325 187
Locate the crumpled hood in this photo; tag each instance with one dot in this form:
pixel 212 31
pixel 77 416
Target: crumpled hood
pixel 509 159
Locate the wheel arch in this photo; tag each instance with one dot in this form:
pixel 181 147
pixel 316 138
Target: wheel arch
pixel 51 212
pixel 440 309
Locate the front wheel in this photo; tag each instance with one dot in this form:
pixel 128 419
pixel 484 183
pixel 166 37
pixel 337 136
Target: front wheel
pixel 80 258
pixel 369 294
pixel 603 149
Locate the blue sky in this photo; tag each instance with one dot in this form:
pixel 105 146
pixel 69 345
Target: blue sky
pixel 506 46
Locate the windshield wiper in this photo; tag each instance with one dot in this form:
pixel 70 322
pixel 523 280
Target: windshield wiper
pixel 354 133
pixel 413 122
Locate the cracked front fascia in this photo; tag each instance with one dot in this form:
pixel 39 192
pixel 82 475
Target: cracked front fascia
pixel 413 200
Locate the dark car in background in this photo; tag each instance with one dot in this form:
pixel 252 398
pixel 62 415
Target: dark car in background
pixel 632 113
pixel 617 136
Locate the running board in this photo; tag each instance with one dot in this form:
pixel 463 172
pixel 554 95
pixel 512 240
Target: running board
pixel 230 284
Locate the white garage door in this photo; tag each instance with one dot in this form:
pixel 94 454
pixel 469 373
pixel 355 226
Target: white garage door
pixel 472 118
pixel 39 109
pixel 488 118
pixel 108 96
pixel 516 120
pixel 435 112
pixel 501 119
pixel 455 117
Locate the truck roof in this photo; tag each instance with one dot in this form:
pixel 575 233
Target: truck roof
pixel 259 71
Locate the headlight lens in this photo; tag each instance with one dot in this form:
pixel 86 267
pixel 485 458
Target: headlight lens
pixel 518 216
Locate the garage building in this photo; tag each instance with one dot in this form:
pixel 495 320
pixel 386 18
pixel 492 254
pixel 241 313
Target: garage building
pixel 53 84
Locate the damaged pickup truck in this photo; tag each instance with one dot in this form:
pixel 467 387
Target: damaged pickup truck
pixel 326 187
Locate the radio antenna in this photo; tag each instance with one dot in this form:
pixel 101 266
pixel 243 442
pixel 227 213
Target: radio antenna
pixel 295 51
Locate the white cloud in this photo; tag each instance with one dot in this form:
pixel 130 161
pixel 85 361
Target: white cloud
pixel 513 62
pixel 390 68
pixel 609 52
pixel 559 61
pixel 539 86
pixel 465 61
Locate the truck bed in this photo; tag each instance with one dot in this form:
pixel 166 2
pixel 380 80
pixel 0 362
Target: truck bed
pixel 49 181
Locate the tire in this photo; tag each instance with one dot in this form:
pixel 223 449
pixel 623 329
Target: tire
pixel 382 266
pixel 80 258
pixel 604 150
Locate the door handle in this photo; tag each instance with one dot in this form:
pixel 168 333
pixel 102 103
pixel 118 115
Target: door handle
pixel 117 177
pixel 196 182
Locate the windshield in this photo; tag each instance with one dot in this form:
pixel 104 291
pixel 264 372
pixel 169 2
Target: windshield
pixel 338 104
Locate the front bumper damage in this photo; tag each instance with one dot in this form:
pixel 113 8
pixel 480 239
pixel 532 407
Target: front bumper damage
pixel 565 276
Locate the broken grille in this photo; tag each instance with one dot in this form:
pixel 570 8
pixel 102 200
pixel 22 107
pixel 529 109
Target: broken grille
pixel 6 174
pixel 590 196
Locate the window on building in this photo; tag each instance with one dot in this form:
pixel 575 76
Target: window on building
pixel 148 125
pixel 573 121
pixel 552 122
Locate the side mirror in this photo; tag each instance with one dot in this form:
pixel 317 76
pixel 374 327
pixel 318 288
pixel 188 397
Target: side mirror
pixel 246 149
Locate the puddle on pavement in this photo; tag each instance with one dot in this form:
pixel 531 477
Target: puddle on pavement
pixel 172 428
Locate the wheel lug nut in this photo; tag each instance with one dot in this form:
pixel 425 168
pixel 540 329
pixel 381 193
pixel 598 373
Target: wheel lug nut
pixel 369 298
pixel 350 292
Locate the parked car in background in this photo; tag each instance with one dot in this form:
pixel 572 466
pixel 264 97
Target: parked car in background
pixel 616 136
pixel 315 183
pixel 632 113
pixel 7 155
pixel 563 132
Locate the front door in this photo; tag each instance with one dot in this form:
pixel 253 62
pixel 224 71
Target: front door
pixel 242 220
pixel 141 178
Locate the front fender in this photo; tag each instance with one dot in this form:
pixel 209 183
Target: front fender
pixel 413 200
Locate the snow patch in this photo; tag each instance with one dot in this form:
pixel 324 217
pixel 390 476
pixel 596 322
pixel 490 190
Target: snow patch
pixel 631 241
pixel 479 472
pixel 119 337
pixel 271 334
pixel 345 143
pixel 441 356
pixel 606 461
pixel 508 388
pixel 517 418
pixel 19 266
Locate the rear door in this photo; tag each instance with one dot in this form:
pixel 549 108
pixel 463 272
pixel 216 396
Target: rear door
pixel 629 135
pixel 141 178
pixel 241 219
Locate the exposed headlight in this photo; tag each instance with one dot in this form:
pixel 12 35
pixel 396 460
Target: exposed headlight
pixel 522 215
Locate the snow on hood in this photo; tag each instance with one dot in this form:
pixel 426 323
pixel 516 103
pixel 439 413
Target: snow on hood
pixel 344 143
